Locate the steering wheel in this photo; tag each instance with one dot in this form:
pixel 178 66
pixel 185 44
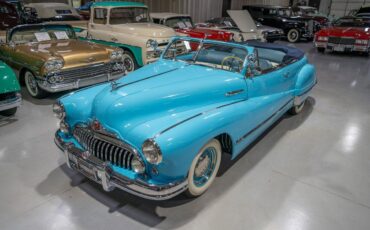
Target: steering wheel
pixel 235 58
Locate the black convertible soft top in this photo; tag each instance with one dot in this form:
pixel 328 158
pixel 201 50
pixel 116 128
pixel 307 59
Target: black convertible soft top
pixel 292 53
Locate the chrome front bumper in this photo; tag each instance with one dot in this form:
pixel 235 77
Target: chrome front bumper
pixel 102 173
pixel 342 47
pixel 11 103
pixel 58 87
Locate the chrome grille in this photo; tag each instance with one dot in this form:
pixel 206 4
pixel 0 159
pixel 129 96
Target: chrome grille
pixel 85 72
pixel 116 153
pixel 343 41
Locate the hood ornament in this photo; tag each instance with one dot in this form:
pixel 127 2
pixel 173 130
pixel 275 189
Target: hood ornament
pixel 114 85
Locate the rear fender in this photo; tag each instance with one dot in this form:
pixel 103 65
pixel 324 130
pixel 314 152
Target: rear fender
pixel 306 79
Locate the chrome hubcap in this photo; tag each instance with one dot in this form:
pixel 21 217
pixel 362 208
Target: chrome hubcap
pixel 31 83
pixel 205 167
pixel 128 63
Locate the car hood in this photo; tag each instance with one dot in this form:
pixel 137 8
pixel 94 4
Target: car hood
pixel 145 30
pixel 243 20
pixel 8 80
pixel 161 95
pixel 357 32
pixel 74 52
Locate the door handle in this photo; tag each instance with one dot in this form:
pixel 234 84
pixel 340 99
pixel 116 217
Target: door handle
pixel 286 74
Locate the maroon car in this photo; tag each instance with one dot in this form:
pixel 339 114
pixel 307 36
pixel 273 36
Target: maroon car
pixel 9 16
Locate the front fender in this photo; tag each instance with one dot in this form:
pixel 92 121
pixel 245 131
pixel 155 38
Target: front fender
pixel 180 144
pixel 78 104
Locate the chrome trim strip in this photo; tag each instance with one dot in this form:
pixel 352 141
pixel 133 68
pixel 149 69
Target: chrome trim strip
pixel 155 75
pixel 10 103
pixel 110 179
pixel 196 115
pixel 234 92
pixel 262 123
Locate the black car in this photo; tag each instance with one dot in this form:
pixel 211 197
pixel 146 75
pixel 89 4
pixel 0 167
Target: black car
pixel 295 27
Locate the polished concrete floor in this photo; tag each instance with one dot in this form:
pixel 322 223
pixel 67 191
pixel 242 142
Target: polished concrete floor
pixel 309 171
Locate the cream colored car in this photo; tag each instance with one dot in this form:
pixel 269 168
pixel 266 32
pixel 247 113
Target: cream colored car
pixel 128 26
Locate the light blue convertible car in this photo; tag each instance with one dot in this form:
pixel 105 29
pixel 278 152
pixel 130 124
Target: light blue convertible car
pixel 161 130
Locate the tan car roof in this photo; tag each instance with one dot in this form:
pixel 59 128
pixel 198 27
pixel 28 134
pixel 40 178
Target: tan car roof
pixel 47 10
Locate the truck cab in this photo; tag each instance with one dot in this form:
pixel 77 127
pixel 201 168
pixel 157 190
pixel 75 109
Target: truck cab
pixel 128 25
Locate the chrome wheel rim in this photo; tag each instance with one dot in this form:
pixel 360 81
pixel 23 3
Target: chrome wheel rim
pixel 293 35
pixel 31 84
pixel 205 167
pixel 128 63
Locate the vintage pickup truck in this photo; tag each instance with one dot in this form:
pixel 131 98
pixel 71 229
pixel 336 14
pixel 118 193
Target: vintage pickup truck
pixel 126 25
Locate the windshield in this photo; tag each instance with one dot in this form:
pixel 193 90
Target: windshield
pixel 352 22
pixel 220 56
pixel 283 12
pixel 123 15
pixel 41 34
pixel 179 22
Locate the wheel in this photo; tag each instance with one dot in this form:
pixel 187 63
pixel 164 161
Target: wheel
pixel 129 62
pixel 293 35
pixel 9 112
pixel 297 108
pixel 321 49
pixel 204 168
pixel 31 84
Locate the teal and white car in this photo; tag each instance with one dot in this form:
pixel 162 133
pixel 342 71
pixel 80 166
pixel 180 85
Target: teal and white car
pixel 128 25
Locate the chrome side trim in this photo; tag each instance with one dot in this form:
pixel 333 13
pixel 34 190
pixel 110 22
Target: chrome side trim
pixel 11 103
pixel 102 173
pixel 194 116
pixel 234 92
pixel 155 75
pixel 262 123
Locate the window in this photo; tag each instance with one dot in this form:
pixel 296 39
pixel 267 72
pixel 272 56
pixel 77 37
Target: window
pixel 124 15
pixel 100 16
pixel 6 10
pixel 63 11
pixel 156 20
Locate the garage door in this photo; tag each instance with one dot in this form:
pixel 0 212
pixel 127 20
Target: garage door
pixel 340 8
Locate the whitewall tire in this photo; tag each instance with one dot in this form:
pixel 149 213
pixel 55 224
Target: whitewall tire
pixel 204 168
pixel 32 87
pixel 297 108
pixel 293 35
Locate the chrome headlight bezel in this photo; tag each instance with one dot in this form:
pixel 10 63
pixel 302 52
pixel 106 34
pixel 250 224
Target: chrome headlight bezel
pixel 151 45
pixel 59 111
pixel 53 65
pixel 116 55
pixel 152 152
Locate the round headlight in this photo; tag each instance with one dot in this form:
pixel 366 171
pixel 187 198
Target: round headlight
pixel 58 110
pixel 113 55
pixel 137 166
pixel 152 44
pixel 53 65
pixel 152 152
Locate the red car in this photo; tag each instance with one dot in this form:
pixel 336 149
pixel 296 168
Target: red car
pixel 348 34
pixel 9 16
pixel 183 25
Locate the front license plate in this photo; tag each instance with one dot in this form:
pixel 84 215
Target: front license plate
pixel 338 48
